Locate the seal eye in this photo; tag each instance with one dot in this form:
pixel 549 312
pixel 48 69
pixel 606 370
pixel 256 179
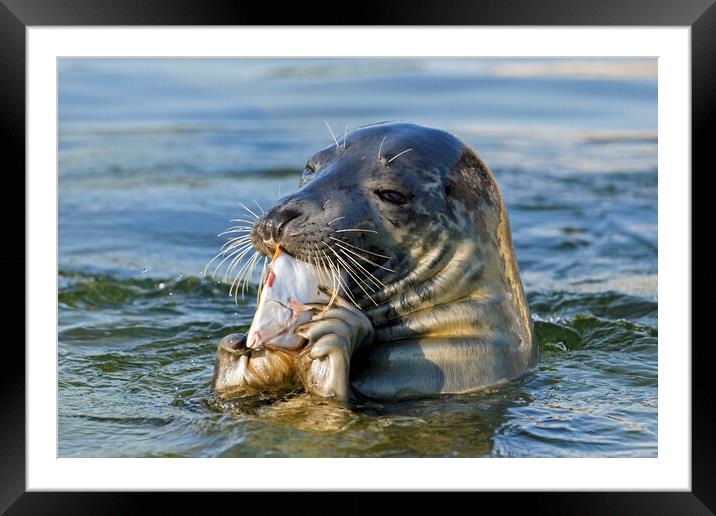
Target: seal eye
pixel 392 196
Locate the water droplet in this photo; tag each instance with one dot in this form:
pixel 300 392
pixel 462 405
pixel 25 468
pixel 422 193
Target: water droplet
pixel 161 286
pixel 146 268
pixel 171 293
pixel 180 275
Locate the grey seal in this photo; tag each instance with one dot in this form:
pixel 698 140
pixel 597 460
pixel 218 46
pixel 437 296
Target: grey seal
pixel 413 222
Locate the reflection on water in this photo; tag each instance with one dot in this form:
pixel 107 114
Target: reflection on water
pixel 155 157
pixel 444 426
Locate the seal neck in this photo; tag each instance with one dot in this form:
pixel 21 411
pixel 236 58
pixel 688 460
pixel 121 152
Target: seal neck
pixel 463 289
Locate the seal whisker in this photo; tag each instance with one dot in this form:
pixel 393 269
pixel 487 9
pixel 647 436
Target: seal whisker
pixel 239 226
pixel 345 266
pixel 261 281
pixel 368 275
pixel 233 247
pixel 345 134
pixel 359 248
pixel 239 275
pixel 336 284
pixel 242 277
pixel 247 276
pixel 251 222
pixel 364 251
pixel 233 284
pixel 232 231
pixel 237 234
pixel 355 230
pixel 219 255
pixel 326 264
pixel 313 259
pixel 369 287
pixel 243 243
pixel 245 247
pixel 334 136
pixel 346 290
pixel 353 275
pixel 366 272
pixel 236 278
pixel 328 273
pixel 259 206
pixel 332 221
pixel 335 276
pixel 232 242
pixel 325 204
pixel 245 237
pixel 235 229
pixel 320 268
pixel 249 210
pixel 380 148
pixel 235 262
pixel 341 283
pixel 241 248
pixel 399 154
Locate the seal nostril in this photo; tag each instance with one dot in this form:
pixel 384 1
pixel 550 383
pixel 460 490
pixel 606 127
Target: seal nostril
pixel 272 225
pixel 234 342
pixel 287 216
pixel 280 226
pixel 240 343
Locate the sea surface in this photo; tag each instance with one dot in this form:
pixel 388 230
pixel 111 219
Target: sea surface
pixel 156 155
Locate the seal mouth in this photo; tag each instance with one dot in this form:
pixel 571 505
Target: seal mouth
pixel 346 256
pixel 272 246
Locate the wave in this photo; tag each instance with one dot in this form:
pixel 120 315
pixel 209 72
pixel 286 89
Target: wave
pixel 79 289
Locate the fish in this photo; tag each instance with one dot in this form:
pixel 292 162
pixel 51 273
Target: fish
pixel 288 288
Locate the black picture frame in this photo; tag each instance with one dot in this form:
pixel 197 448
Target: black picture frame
pixel 17 15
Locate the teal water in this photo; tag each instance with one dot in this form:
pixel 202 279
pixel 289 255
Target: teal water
pixel 155 156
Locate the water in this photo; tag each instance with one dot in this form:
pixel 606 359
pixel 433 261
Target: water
pixel 155 156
